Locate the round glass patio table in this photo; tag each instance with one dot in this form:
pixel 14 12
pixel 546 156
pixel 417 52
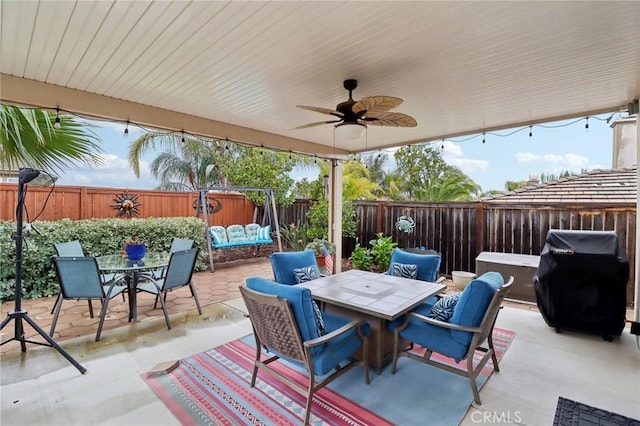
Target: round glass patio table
pixel 133 270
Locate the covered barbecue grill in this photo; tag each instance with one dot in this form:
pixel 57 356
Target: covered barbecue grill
pixel 581 282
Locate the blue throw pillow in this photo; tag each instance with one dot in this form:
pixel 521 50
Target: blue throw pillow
pixel 264 233
pixel 319 320
pixel 442 310
pixel 306 273
pixel 404 270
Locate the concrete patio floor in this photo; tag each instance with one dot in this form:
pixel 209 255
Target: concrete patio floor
pixel 40 387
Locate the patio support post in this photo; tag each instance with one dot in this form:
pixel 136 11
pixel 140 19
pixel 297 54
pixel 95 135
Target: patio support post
pixel 335 211
pixel 635 325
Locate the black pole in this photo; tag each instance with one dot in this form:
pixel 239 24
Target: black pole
pixel 18 314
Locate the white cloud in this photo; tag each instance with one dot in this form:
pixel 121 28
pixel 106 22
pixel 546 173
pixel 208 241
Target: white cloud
pixel 115 172
pixel 569 160
pixel 453 155
pixel 526 157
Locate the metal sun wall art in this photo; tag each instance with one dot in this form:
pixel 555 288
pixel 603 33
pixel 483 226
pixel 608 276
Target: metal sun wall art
pixel 405 224
pixel 127 204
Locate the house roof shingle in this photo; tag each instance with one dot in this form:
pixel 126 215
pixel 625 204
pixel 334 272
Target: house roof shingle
pixel 611 186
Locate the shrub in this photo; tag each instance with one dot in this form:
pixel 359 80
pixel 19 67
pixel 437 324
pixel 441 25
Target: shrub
pixel 361 258
pixel 97 236
pixel 318 216
pixel 381 249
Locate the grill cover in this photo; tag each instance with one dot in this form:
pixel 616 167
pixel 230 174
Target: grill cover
pixel 581 282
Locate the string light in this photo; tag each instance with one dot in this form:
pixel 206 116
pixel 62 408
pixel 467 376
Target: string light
pixel 56 123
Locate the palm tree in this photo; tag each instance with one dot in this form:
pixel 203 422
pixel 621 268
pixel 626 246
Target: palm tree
pixel 30 139
pixel 183 163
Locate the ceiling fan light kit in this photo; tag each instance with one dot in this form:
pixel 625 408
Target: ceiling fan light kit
pixel 353 117
pixel 350 131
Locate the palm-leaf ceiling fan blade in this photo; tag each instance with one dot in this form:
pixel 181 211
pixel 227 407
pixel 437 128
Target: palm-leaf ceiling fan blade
pixel 390 119
pixel 322 110
pixel 376 104
pixel 318 123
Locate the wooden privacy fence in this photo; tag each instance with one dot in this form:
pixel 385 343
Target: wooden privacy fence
pixel 457 230
pixel 460 231
pixel 78 202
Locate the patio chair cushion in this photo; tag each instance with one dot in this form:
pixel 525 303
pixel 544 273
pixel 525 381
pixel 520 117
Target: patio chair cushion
pixel 299 299
pixel 473 303
pixel 284 263
pixel 218 234
pixel 428 264
pixel 306 273
pixel 404 270
pixel 442 310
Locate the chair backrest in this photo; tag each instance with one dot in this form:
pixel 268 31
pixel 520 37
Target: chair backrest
pixel 180 268
pixel 179 244
pixel 284 263
pixel 70 248
pixel 79 277
pixel 273 324
pixel 428 264
pixel 478 306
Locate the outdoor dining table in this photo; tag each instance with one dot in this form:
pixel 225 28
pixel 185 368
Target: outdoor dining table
pixel 134 270
pixel 377 298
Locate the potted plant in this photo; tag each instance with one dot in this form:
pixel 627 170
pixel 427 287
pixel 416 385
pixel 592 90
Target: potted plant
pixel 318 246
pixel 135 249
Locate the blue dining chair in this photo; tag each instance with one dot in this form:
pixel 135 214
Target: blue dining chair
pixel 74 249
pixel 79 278
pixel 423 267
pixel 177 244
pixel 454 326
pixel 288 326
pixel 285 264
pixel 179 273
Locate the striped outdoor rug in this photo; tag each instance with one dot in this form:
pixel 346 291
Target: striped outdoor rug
pixel 212 387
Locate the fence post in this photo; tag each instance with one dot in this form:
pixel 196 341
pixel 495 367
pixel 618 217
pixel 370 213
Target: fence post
pixel 479 227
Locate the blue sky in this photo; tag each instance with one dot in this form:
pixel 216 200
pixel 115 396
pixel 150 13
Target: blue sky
pixel 505 155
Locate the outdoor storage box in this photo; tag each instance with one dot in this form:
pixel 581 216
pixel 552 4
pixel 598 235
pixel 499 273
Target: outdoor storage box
pixel 522 266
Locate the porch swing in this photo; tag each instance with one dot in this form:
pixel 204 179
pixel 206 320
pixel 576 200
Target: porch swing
pixel 253 234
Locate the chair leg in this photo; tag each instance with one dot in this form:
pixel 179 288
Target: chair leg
pixel 103 313
pixel 56 312
pixel 472 380
pixel 164 310
pixel 255 363
pixel 494 358
pixel 307 412
pixel 53 308
pixel 195 297
pixel 90 309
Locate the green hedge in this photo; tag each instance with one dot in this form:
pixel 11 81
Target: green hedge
pixel 97 236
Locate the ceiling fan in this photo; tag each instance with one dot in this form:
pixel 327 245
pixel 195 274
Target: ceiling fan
pixel 368 111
